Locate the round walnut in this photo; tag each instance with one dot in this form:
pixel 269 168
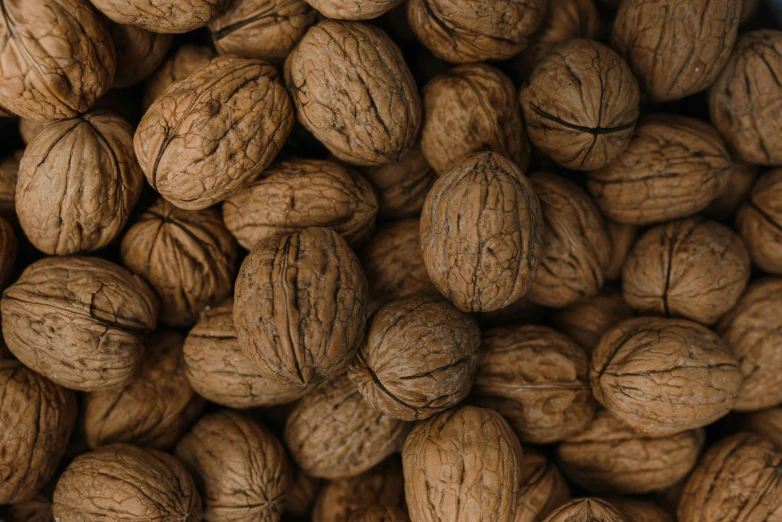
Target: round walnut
pixel 542 488
pixel 57 58
pixel 469 109
pixel 491 253
pixel 9 172
pixel 354 92
pixel 664 376
pixel 767 423
pixel 181 64
pixel 690 268
pixel 163 16
pixel 124 483
pixel 760 222
pixel 674 167
pixel 353 9
pixel 80 321
pixel 622 240
pixel 378 514
pixel 581 105
pixel 586 321
pixel 537 379
pixel 78 183
pixel 742 178
pixel 210 134
pixel 333 433
pixel 36 419
pixel 637 510
pixel 419 358
pixel 462 462
pixel 8 251
pixel 587 510
pixel 139 53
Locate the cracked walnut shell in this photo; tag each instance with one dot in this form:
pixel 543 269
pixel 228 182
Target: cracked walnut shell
pixel 402 187
pixel 542 488
pixel 759 222
pixel 163 16
pixel 587 510
pixel 182 63
pixel 586 321
pixel 353 9
pixel 139 53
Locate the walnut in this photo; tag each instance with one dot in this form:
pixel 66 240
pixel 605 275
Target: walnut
pixel 29 129
pixel 8 251
pixel 767 423
pixel 163 16
pixel 9 172
pixel 139 53
pixel 587 510
pixel 213 132
pixel 37 509
pixel 542 488
pixel 353 9
pixel 664 376
pixel 581 105
pixel 402 187
pixel 622 240
pixel 742 177
pixel 490 256
pixel 468 109
pixel 759 222
pixel 300 306
pixel 181 64
pixel 537 379
pixel 121 482
pixel 690 268
pixel 333 433
pixel 78 183
pixel 301 494
pixel 80 321
pixel 36 418
pixel 57 58
pixel 586 320
pixel 674 167
pixel 639 510
pixel 378 514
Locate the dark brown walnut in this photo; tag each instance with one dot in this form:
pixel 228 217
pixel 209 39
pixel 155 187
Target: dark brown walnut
pixel 418 359
pixel 737 479
pixel 378 514
pixel 586 320
pixel 163 16
pixel 353 9
pixel 638 510
pixel 744 101
pixel 188 257
pixel 208 135
pixel 182 63
pixel 767 423
pixel 301 193
pixel 57 58
pixel 80 321
pixel 581 105
pixel 759 222
pixel 139 53
pixel 37 509
pixel 472 108
pixel 402 187
pixel 674 167
pixel 121 482
pixel 78 183
pixel 8 251
pixel 36 420
pixel 301 494
pixel 688 268
pixel 742 177
pixel 576 247
pixel 542 488
pixel 462 465
pixel 664 376
pixel 300 306
pixel 462 31
pixel 587 510
pixel 333 433
pixel 622 240
pixel 491 253
pixel 537 379
pixel 9 172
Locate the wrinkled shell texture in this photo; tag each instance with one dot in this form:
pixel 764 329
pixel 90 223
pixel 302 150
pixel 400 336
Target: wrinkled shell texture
pixel 587 510
pixel 181 64
pixel 238 465
pixel 689 268
pixel 354 92
pixel 163 16
pixel 664 376
pixel 760 222
pixel 57 58
pixel 468 109
pixel 36 420
pixel 353 9
pixel 332 432
pixel 581 105
pixel 79 321
pixel 537 379
pixel 742 178
pixel 674 167
pixel 636 510
pixel 300 306
pixel 542 488
pixel 213 132
pixel 490 256
pixel 767 423
pixel 78 182
pixel 139 53
pixel 402 187
pixel 121 482
pixel 9 171
pixel 8 250
pixel 586 321
pixel 622 240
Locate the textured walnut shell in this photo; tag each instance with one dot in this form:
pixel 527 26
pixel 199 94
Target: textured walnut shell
pixel 9 172
pixel 469 109
pixel 664 376
pixel 57 60
pixel 301 494
pixel 182 63
pixel 586 321
pixel 674 167
pixel 80 321
pixel 8 251
pixel 689 268
pixel 637 510
pixel 419 358
pixel 333 433
pixel 537 379
pixel 402 187
pixel 163 16
pixel 121 482
pixel 622 240
pixel 213 132
pixel 742 178
pixel 542 488
pixel 353 9
pixel 581 105
pixel 36 420
pixel 37 509
pixel 492 251
pixel 462 465
pixel 139 53
pixel 378 514
pixel 760 222
pixel 78 183
pixel 767 423
pixel 587 510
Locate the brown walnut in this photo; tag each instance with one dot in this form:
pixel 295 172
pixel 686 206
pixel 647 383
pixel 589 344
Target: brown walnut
pixel 353 9
pixel 759 222
pixel 586 320
pixel 378 514
pixel 301 494
pixel 163 16
pixel 542 488
pixel 37 509
pixel 622 240
pixel 586 510
pixel 8 250
pixel 742 178
pixel 637 510
pixel 9 172
pixel 139 53
pixel 182 63
pixel 767 423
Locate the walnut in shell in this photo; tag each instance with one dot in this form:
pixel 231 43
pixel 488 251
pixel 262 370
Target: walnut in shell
pixel 638 510
pixel 587 510
pixel 622 240
pixel 9 172
pixel 8 250
pixel 139 53
pixel 542 488
pixel 163 16
pixel 353 9
pixel 740 182
pixel 767 423
pixel 586 320
pixel 759 222
pixel 182 63
pixel 402 187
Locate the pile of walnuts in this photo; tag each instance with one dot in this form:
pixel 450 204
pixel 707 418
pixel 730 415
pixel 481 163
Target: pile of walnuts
pixel 390 261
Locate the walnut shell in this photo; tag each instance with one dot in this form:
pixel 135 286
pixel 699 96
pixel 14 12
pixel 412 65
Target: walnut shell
pixel 586 321
pixel 674 167
pixel 742 178
pixel 36 420
pixel 542 488
pixel 163 16
pixel 587 510
pixel 639 510
pixel 121 482
pixel 301 494
pixel 622 240
pixel 353 9
pixel 664 376
pixel 182 63
pixel 378 514
pixel 767 423
pixel 689 268
pixel 8 250
pixel 402 187
pixel 490 256
pixel 212 133
pixel 80 321
pixel 581 105
pixel 139 53
pixel 759 222
pixel 354 92
pixel 78 183
pixel 9 172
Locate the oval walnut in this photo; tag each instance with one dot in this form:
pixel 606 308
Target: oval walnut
pixel 163 16
pixel 759 222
